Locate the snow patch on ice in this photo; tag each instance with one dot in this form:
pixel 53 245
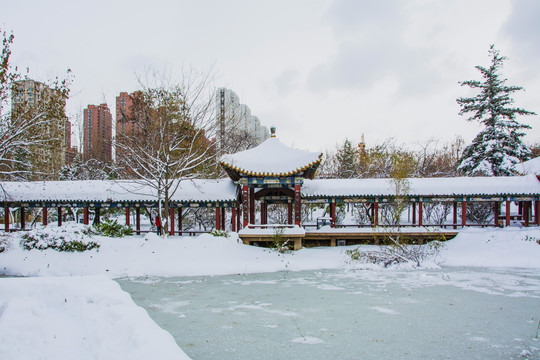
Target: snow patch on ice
pixel 308 340
pixel 384 310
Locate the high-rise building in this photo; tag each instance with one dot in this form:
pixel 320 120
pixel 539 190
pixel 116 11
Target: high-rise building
pixel 127 127
pixel 31 98
pixel 124 101
pixel 97 128
pixel 238 129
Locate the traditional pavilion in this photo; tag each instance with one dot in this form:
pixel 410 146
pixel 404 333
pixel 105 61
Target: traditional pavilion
pixel 277 171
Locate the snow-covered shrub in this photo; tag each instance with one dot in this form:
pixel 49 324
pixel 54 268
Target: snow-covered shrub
pixel 396 253
pixel 480 212
pixel 279 242
pixel 69 238
pixel 219 233
pixel 437 212
pixel 527 238
pixel 112 228
pixel 3 244
pixel 361 213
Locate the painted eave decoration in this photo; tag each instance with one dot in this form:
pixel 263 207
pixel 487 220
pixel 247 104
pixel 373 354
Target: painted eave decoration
pixel 271 159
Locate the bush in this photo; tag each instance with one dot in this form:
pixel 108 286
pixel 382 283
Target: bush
pixel 112 228
pixel 3 245
pixel 279 242
pixel 527 238
pixel 219 233
pixel 59 239
pixel 397 252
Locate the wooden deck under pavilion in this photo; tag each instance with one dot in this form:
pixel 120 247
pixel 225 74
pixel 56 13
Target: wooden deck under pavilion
pixel 266 235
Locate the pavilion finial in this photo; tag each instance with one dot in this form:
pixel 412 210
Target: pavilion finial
pixel 273 131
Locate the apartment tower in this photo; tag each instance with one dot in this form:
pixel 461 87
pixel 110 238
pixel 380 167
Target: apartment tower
pixel 97 133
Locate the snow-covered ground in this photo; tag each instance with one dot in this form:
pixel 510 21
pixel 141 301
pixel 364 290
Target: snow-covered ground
pixel 77 318
pixel 72 309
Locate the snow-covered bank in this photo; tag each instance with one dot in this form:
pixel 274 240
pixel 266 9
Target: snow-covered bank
pixel 208 255
pixel 507 247
pixel 77 318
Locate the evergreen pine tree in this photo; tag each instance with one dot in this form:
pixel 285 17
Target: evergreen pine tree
pixel 347 161
pixel 498 147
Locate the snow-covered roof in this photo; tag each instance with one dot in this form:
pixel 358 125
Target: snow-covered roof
pixel 502 185
pixel 271 158
pixel 529 167
pixel 115 191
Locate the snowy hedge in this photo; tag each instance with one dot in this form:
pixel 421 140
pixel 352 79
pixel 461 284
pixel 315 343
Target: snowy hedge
pixel 69 238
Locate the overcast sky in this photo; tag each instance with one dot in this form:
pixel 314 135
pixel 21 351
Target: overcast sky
pixel 319 70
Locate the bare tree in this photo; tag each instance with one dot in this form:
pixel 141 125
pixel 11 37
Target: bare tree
pixel 434 161
pixel 30 123
pixel 169 143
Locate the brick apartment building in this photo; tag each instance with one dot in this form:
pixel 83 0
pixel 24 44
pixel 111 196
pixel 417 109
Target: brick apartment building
pixel 97 133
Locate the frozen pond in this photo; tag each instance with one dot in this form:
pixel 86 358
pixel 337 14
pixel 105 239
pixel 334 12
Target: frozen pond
pixel 358 314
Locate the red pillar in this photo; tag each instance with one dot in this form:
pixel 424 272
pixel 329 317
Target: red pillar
pixel 86 215
pixel 245 205
pixel 23 220
pixel 413 213
pixel 464 213
pixel 233 219
pixel 6 218
pixel 171 215
pixel 223 218
pixel 44 216
pixel 252 206
pixel 59 216
pixel 289 213
pixel 297 205
pixel 218 219
pixel 454 215
pixel 333 214
pixel 264 212
pixel 507 222
pixel 376 206
pixel 420 213
pixel 127 216
pixel 138 220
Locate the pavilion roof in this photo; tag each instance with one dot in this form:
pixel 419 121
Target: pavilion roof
pixel 271 159
pixel 114 191
pixel 455 186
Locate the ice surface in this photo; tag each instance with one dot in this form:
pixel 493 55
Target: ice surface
pixel 449 313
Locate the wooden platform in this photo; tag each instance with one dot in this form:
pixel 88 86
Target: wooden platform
pixel 343 237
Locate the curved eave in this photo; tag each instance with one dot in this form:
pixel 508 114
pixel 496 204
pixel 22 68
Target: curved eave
pixel 308 171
